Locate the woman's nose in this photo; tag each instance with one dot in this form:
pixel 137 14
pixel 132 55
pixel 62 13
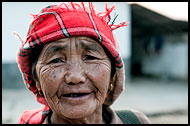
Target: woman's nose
pixel 75 75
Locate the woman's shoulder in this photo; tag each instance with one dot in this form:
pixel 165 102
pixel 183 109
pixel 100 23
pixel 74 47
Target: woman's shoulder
pixel 141 116
pixel 132 116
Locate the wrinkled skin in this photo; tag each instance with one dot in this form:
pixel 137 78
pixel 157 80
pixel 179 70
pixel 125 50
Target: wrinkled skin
pixel 76 64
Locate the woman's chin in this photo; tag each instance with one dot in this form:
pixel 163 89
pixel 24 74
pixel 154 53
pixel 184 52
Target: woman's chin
pixel 80 111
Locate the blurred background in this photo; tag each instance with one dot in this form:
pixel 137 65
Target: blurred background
pixel 154 47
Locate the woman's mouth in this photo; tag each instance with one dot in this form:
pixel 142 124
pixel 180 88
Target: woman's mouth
pixel 74 95
pixel 76 98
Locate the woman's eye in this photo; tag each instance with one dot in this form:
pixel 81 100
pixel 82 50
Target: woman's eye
pixel 89 57
pixel 57 60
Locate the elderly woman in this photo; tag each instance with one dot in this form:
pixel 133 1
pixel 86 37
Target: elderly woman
pixel 70 61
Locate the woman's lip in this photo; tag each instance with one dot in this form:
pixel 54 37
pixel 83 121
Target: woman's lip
pixel 74 92
pixel 76 100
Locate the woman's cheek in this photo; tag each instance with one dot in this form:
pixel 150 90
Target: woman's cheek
pixel 99 74
pixel 99 71
pixel 51 79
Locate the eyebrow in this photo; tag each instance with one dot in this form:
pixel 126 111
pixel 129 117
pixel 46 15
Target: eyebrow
pixel 91 46
pixel 55 49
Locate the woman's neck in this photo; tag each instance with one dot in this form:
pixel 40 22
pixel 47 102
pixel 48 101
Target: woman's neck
pixel 94 118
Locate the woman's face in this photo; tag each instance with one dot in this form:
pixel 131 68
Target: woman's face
pixel 74 74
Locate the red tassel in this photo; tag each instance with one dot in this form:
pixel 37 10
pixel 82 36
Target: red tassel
pixel 91 8
pixel 106 6
pixel 110 10
pixel 63 7
pixel 77 6
pixel 73 6
pixel 123 24
pixel 83 6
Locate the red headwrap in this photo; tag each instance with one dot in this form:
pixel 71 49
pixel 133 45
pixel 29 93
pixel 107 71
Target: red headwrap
pixel 66 20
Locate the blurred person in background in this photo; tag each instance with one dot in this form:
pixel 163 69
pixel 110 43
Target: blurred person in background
pixel 71 62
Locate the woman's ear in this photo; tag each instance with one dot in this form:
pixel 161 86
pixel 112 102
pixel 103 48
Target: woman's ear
pixel 111 85
pixel 113 79
pixel 38 86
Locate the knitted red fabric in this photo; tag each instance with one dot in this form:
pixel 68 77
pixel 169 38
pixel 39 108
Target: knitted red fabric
pixel 66 20
pixel 35 116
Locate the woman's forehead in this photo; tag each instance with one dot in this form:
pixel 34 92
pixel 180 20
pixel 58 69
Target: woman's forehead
pixel 85 43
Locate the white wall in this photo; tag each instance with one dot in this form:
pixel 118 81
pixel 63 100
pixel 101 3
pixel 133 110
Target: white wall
pixel 16 17
pixel 172 60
